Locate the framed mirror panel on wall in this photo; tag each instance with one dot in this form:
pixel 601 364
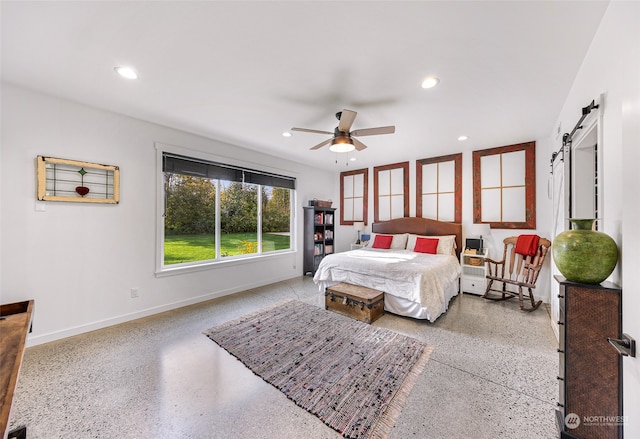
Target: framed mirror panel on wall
pixel 391 191
pixel 504 186
pixel 439 188
pixel 354 196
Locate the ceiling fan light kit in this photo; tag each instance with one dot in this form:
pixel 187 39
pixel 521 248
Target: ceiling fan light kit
pixel 343 138
pixel 342 144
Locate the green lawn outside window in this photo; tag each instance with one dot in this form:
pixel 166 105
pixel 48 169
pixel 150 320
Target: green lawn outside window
pixel 192 248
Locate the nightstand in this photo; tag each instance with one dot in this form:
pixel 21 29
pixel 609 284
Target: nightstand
pixel 356 246
pixel 474 273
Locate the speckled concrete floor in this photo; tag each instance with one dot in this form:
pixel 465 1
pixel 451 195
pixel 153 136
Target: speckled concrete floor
pixel 492 375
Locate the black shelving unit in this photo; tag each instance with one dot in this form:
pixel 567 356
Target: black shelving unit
pixel 318 236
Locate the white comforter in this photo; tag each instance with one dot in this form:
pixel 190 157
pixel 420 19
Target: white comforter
pixel 417 277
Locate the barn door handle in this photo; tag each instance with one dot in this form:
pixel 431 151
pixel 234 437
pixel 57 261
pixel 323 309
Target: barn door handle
pixel 625 346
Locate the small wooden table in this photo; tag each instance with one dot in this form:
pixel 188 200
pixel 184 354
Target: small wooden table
pixel 361 303
pixel 15 321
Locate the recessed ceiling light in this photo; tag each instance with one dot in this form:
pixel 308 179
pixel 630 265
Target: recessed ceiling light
pixel 430 82
pixel 463 138
pixel 126 72
pixel 286 134
pixel 353 159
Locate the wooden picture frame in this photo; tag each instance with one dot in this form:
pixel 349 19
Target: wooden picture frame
pixel 76 181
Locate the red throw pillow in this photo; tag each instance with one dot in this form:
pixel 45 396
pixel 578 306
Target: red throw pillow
pixel 382 241
pixel 426 245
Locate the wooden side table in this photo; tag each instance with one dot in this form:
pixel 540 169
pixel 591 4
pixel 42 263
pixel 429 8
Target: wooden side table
pixel 15 322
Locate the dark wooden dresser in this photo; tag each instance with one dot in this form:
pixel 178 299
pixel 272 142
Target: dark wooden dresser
pixel 590 378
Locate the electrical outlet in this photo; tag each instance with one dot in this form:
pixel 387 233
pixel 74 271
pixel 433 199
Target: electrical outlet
pixel 134 293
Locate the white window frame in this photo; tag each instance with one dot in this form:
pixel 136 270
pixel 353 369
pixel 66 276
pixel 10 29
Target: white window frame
pixel 164 270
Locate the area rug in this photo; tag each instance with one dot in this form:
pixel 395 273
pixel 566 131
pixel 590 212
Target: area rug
pixel 353 376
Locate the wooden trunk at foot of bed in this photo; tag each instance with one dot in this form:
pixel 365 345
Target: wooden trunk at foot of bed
pixel 360 303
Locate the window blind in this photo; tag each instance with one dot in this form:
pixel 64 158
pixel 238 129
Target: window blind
pixel 202 168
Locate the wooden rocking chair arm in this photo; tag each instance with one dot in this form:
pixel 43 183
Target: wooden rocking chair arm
pixel 491 261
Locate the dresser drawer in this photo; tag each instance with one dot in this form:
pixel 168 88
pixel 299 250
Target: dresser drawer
pixel 475 286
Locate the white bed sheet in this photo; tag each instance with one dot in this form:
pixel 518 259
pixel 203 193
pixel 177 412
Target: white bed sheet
pixel 417 285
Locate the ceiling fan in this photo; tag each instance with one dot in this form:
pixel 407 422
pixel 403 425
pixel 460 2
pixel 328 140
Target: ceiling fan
pixel 344 140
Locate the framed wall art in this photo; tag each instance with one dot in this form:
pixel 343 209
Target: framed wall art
pixel 76 181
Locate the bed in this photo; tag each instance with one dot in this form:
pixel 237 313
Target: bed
pixel 415 284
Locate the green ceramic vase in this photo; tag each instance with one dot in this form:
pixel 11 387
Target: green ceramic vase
pixel 584 255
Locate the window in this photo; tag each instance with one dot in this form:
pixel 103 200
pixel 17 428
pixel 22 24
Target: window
pixel 439 188
pixel 216 211
pixel 504 186
pixel 353 196
pixel 391 191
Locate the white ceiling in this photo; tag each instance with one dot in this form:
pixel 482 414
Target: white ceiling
pixel 244 72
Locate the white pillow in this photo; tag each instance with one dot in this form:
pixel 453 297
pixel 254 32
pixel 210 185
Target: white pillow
pixel 399 241
pixel 446 243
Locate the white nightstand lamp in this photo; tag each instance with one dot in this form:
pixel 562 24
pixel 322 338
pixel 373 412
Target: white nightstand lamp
pixel 359 226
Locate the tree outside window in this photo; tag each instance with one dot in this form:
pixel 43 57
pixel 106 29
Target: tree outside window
pixel 208 219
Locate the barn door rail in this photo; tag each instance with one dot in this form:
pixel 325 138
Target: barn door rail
pixel 567 137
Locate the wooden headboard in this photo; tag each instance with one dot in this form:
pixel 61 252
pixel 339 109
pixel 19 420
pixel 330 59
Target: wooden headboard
pixel 421 226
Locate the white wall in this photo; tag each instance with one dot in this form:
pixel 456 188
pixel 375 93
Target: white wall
pixel 612 67
pixel 605 70
pixel 79 261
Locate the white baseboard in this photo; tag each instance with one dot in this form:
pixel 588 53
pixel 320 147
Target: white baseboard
pixel 70 332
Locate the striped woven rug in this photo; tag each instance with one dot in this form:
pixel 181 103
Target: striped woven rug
pixel 353 376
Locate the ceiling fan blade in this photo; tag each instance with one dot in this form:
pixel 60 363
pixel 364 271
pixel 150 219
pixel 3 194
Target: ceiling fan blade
pixel 307 130
pixel 320 145
pixel 346 120
pixel 358 144
pixel 372 131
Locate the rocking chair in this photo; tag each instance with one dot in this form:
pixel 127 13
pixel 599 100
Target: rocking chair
pixel 519 270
